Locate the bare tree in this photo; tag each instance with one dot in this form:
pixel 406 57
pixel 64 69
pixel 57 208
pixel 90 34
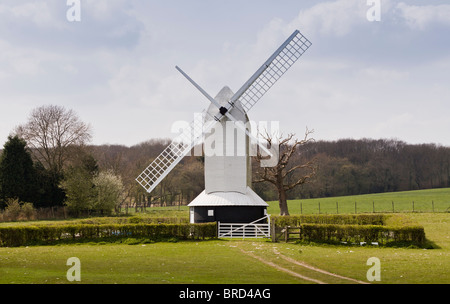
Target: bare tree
pixel 286 174
pixel 51 132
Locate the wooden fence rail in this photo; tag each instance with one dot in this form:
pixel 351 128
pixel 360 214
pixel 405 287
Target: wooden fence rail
pixel 373 207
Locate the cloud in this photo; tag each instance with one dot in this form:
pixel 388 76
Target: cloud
pixel 116 66
pixel 36 13
pixel 361 78
pixel 394 122
pixel 336 18
pixel 382 75
pixel 421 17
pixel 44 25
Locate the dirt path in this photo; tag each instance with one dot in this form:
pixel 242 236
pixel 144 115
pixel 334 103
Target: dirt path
pixel 302 264
pixel 293 273
pixel 315 268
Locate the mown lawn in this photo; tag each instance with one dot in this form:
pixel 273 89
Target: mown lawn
pixel 183 262
pixel 223 261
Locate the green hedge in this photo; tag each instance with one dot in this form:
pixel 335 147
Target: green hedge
pixel 384 235
pixel 352 228
pixel 339 219
pixel 133 220
pixel 25 235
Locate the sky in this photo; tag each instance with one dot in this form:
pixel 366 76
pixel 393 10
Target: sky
pixel 115 67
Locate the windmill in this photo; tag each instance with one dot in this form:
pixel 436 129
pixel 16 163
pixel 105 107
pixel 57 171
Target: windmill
pixel 227 196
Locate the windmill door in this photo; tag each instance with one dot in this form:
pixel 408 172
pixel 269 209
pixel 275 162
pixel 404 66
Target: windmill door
pixel 191 215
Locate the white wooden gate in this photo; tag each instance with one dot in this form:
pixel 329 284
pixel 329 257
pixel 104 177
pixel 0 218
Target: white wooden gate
pixel 240 230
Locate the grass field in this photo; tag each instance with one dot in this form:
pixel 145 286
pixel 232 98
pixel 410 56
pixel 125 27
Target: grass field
pixel 238 261
pixel 229 261
pixel 183 262
pixel 437 200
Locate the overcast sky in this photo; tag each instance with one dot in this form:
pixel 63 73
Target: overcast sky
pixel 116 67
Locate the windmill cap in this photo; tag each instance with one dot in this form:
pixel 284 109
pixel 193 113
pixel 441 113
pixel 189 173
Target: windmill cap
pixel 229 198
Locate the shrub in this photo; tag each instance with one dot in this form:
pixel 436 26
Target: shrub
pixel 87 191
pixel 28 235
pixel 15 210
pixel 362 233
pixel 28 210
pixel 78 186
pixel 12 209
pixel 339 219
pixel 353 229
pixel 108 189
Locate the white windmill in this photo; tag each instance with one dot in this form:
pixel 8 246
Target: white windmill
pixel 227 196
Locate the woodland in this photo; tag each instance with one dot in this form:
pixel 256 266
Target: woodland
pixel 343 167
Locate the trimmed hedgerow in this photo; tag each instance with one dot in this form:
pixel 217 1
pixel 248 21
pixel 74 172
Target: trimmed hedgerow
pixel 383 235
pixel 338 219
pixel 367 228
pixel 26 235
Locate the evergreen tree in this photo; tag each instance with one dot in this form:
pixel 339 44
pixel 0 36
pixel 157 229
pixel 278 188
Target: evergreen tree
pixel 49 193
pixel 17 173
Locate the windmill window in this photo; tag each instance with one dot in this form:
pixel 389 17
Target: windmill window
pixel 211 212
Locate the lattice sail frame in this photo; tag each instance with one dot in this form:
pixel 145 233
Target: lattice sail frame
pixel 248 95
pixel 288 53
pixel 174 152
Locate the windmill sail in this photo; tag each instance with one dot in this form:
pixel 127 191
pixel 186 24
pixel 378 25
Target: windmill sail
pixel 248 95
pixel 266 76
pixel 173 154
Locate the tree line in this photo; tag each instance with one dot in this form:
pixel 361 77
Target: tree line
pixel 351 167
pixel 48 162
pixel 342 167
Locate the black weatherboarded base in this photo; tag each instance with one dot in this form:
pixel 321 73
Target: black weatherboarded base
pixel 228 214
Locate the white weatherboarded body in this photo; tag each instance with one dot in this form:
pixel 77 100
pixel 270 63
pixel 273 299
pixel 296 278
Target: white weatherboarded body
pixel 227 161
pixel 226 151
